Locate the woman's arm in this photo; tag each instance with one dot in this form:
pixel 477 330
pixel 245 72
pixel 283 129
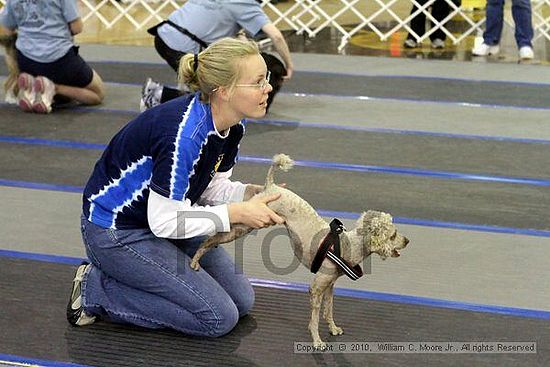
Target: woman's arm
pixel 179 219
pixel 76 26
pixel 281 47
pixel 176 219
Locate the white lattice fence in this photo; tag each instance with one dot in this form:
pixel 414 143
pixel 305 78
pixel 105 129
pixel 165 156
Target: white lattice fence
pixel 541 23
pixel 347 17
pixel 102 10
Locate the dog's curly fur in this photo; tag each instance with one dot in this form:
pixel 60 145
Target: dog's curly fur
pixel 374 233
pixel 8 42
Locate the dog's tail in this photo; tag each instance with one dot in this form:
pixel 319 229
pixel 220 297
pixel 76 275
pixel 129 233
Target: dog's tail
pixel 280 161
pixel 8 41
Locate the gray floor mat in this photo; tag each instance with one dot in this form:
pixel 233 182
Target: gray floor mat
pixel 508 205
pixel 411 88
pixel 34 326
pixel 419 152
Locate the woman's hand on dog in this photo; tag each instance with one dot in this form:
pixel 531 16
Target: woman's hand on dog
pixel 254 212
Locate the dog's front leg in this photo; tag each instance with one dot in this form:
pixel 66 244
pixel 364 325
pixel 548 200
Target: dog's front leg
pixel 328 307
pixel 316 291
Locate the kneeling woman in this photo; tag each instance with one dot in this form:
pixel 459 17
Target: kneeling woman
pixel 159 188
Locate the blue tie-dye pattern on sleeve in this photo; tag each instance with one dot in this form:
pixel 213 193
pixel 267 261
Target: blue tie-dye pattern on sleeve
pixel 120 193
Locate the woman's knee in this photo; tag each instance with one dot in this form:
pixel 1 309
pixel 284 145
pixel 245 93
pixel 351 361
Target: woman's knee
pixel 245 300
pixel 225 321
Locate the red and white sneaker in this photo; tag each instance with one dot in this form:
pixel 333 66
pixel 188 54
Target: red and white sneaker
pixel 44 90
pixel 26 95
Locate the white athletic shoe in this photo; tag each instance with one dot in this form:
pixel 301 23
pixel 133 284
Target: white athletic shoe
pixel 410 43
pixel 484 49
pixel 438 43
pixel 44 90
pixel 75 311
pixel 25 96
pixel 526 53
pixel 151 93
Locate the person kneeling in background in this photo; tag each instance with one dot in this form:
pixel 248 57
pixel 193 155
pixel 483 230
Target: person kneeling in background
pixel 48 60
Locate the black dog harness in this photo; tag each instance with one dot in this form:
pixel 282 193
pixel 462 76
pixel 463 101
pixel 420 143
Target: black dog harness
pixel 330 247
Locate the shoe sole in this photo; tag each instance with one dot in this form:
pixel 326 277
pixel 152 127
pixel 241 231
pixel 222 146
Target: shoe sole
pixel 528 57
pixel 489 53
pixel 39 106
pixel 25 105
pixel 74 315
pixel 25 84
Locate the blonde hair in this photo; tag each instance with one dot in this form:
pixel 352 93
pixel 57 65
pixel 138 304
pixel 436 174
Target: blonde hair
pixel 218 65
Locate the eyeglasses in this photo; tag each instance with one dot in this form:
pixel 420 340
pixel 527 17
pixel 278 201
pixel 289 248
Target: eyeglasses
pixel 260 85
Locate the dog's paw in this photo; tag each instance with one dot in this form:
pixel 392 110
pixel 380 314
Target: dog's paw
pixel 319 345
pixel 335 330
pixel 195 265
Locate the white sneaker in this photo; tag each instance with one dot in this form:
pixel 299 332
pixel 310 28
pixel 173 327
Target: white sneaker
pixel 151 93
pixel 485 50
pixel 526 53
pixel 25 96
pixel 438 43
pixel 410 43
pixel 44 90
pixel 75 310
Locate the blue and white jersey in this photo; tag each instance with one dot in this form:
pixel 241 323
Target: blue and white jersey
pixel 173 149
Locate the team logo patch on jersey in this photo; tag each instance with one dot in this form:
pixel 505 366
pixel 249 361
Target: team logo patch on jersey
pixel 217 165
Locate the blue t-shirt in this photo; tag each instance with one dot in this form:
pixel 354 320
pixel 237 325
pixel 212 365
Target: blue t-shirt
pixel 211 20
pixel 43 33
pixel 172 149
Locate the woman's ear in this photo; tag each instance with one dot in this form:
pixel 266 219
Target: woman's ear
pixel 225 93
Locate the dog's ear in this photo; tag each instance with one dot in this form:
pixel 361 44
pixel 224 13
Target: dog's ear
pixel 376 227
pixel 374 222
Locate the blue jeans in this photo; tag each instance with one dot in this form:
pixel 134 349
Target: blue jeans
pixel 521 12
pixel 140 279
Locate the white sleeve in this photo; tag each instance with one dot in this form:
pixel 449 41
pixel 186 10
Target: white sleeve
pixel 222 190
pixel 178 220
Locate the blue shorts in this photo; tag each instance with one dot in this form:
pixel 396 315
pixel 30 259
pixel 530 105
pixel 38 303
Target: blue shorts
pixel 70 69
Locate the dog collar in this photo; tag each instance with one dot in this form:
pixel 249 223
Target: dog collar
pixel 330 247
